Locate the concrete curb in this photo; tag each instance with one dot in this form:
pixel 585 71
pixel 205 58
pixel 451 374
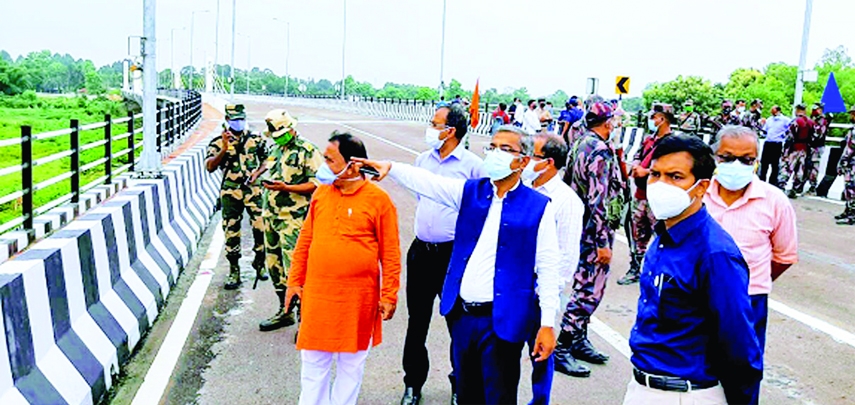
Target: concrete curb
pixel 76 304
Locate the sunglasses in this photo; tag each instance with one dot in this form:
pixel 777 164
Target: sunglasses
pixel 746 160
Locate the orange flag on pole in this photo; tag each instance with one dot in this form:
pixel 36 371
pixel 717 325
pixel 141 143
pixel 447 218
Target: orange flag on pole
pixel 474 111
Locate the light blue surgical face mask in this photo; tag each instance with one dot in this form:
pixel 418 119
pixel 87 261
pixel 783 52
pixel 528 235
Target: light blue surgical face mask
pixel 497 164
pixel 325 175
pixel 734 175
pixel 237 125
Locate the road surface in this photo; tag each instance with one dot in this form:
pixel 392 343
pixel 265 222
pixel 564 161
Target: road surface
pixel 810 356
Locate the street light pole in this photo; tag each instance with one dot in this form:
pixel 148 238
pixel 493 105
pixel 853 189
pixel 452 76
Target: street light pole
pixel 287 51
pixel 192 31
pixel 232 67
pixel 800 84
pixel 442 55
pixel 248 60
pixel 172 51
pixel 217 42
pixel 149 160
pixel 343 44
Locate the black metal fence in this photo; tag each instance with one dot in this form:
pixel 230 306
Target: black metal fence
pixel 177 113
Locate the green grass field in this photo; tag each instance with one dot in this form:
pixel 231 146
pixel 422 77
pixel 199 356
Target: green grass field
pixel 47 115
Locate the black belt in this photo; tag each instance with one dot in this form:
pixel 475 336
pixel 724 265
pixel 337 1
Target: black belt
pixel 663 383
pixel 477 308
pixel 435 247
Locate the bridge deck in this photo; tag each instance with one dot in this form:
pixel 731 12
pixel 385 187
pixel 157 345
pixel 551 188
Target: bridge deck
pixel 227 360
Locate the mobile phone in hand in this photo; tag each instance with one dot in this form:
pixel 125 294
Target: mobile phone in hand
pixel 370 171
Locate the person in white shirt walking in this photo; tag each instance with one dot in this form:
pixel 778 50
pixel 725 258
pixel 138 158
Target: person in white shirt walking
pixel 542 174
pixel 531 118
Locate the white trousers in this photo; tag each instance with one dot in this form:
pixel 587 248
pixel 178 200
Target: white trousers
pixel 637 394
pixel 315 377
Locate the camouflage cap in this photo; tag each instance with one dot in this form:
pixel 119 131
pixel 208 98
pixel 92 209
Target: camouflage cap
pixel 665 109
pixel 235 112
pixel 852 109
pixel 818 106
pixel 689 102
pixel 597 113
pixel 278 123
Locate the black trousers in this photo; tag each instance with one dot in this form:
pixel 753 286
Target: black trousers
pixel 771 157
pixel 427 264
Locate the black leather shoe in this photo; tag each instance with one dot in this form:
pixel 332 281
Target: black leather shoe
pixel 583 350
pixel 411 397
pixel 566 364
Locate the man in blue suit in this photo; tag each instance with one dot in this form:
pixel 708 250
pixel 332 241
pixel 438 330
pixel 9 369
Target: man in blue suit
pixel 503 279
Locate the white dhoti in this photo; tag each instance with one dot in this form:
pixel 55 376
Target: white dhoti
pixel 315 377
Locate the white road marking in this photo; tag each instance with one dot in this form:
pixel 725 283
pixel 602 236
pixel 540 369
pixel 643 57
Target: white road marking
pixel 160 372
pixel 379 138
pixel 839 335
pixel 323 121
pixel 826 199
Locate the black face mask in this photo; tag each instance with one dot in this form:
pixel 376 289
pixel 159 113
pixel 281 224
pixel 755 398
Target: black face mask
pixel 726 111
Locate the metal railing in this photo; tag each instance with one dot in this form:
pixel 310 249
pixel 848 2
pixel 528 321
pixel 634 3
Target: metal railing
pixel 175 117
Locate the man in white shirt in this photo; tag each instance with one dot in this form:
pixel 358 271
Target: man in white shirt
pixel 505 240
pixel 531 118
pixel 776 133
pixel 550 156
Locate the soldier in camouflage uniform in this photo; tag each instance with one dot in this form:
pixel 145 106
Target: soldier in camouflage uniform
pixel 753 118
pixel 289 182
pixel 846 168
pixel 593 173
pixel 240 154
pixel 642 217
pixel 726 118
pixel 817 144
pixel 794 163
pixel 690 122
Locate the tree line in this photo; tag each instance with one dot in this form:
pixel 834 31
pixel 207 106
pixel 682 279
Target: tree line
pixel 774 84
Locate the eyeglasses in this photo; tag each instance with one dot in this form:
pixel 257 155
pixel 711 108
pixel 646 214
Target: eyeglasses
pixel 539 157
pixel 746 160
pixel 503 148
pixel 438 126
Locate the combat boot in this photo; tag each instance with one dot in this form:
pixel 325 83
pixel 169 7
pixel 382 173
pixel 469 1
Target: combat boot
pixel 634 273
pixel 792 194
pixel 583 350
pixel 847 212
pixel 284 317
pixel 258 265
pixel 565 363
pixel 233 281
pixel 850 220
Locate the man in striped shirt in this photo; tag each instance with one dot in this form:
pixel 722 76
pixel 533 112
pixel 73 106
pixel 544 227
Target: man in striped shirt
pixel 756 214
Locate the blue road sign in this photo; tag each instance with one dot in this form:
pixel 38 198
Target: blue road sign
pixel 831 97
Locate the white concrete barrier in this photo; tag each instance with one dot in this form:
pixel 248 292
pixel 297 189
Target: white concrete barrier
pixel 76 304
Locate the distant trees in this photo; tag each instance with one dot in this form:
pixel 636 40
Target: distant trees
pixel 48 72
pixel 775 85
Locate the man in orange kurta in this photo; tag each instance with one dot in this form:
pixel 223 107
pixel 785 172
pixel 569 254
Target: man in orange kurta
pixel 346 270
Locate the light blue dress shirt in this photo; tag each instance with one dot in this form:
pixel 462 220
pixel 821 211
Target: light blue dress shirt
pixel 435 222
pixel 776 128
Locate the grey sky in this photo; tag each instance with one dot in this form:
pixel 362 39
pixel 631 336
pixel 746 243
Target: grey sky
pixel 542 45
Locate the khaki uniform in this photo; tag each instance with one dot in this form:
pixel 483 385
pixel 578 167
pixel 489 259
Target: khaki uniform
pixel 285 212
pixel 246 153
